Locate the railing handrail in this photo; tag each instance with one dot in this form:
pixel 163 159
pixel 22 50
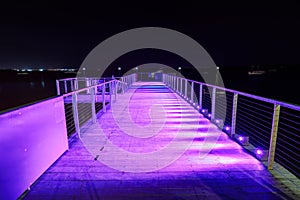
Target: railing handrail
pixel 84 78
pixel 236 116
pixel 89 87
pixel 276 102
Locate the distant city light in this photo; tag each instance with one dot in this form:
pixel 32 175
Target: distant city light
pixel 119 68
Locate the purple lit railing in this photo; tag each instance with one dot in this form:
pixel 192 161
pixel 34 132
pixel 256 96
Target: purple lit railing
pixel 31 140
pixel 83 105
pixel 268 124
pixel 34 137
pixel 66 85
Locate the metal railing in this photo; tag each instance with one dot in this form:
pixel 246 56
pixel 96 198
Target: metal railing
pixel 270 125
pixel 66 85
pixel 83 105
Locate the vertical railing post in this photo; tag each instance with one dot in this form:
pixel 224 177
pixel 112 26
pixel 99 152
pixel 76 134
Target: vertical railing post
pixel 116 89
pixel 192 92
pixel 181 87
pixel 92 92
pixel 200 96
pixel 57 87
pixel 66 88
pixel 177 82
pixel 76 84
pixel 174 83
pixel 172 78
pixel 213 103
pixel 75 113
pixel 103 97
pixel 185 89
pixel 168 80
pixel 273 136
pixel 72 85
pixel 110 93
pixel 233 119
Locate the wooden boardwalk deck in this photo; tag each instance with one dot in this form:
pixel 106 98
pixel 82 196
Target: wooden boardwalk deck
pixel 153 145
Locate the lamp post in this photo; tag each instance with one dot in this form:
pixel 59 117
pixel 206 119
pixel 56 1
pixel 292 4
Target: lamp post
pixel 119 71
pixel 83 69
pixel 179 69
pixel 217 76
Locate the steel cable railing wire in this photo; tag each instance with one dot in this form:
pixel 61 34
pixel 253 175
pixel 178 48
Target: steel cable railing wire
pixel 189 84
pixel 254 118
pixel 288 137
pixel 220 104
pixel 68 86
pixel 97 101
pixel 61 87
pixel 224 101
pixel 69 115
pixel 206 99
pixel 196 93
pixel 182 85
pixel 84 102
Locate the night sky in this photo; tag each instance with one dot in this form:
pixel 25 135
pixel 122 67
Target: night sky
pixel 44 34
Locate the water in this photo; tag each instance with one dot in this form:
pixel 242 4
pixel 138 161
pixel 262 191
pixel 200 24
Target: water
pixel 280 84
pixel 19 89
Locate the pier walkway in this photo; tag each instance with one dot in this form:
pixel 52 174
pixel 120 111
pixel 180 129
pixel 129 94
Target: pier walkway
pixel 152 144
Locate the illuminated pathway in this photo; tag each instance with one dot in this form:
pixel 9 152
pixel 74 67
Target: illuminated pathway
pixel 153 145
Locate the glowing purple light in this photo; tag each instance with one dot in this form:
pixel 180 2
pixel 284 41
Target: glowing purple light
pixel 198 107
pixel 203 110
pixel 259 152
pixel 209 115
pixel 217 121
pixel 227 128
pixel 241 138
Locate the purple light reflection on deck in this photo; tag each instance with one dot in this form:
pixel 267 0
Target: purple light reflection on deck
pixel 202 143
